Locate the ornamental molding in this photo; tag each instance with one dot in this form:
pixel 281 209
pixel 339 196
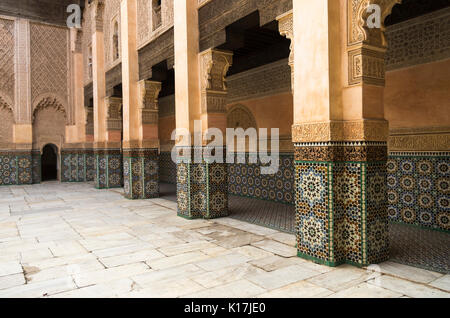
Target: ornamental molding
pixel 364 130
pixel 148 101
pixel 358 31
pixel 420 139
pixel 286 29
pixel 98 7
pixel 366 46
pixel 47 102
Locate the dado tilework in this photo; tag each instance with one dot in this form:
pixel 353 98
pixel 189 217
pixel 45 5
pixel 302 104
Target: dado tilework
pixel 202 188
pixel 36 166
pixel 246 180
pixel 109 168
pixel 16 168
pixel 167 168
pixel 340 201
pixel 419 189
pixel 77 165
pixel 140 171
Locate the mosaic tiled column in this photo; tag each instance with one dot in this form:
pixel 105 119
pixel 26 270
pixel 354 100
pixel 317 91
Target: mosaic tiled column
pixel 202 188
pixel 340 154
pixel 341 207
pixel 140 171
pixel 109 172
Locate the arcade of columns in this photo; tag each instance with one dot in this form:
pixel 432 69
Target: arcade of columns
pixel 339 133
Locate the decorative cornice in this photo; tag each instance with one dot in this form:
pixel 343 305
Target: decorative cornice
pixel 420 140
pixel 365 130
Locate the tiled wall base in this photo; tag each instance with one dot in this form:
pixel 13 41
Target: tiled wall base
pixel 77 165
pixel 419 189
pixel 246 180
pixel 16 167
pixel 109 168
pixel 167 168
pixel 36 166
pixel 140 171
pixel 202 189
pixel 341 210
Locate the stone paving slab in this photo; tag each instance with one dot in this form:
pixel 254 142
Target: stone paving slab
pixel 71 240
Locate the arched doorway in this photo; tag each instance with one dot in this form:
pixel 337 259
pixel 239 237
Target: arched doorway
pixel 49 162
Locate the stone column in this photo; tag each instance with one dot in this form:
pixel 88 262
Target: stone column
pixel 340 136
pixel 202 187
pixel 107 135
pixel 24 170
pixel 140 118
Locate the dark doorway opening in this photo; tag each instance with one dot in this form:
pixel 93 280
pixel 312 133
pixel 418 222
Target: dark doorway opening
pixel 49 163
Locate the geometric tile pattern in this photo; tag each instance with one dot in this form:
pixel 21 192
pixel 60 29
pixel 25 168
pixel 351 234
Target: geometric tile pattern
pixel 419 189
pixel 246 180
pixel 109 168
pixel 202 188
pixel 36 166
pixel 77 165
pixel 140 170
pixel 420 247
pixel 167 168
pixel 16 167
pixel 341 211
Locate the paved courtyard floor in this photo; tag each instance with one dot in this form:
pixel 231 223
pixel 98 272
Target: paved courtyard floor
pixel 71 240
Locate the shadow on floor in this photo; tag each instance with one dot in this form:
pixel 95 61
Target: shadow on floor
pixel 409 245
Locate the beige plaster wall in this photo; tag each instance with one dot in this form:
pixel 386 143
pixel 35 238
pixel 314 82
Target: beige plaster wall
pixel 6 128
pixel 48 127
pixel 418 96
pixel 274 111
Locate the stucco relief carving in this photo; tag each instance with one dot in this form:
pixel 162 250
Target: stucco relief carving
pixel 286 29
pixel 148 101
pixel 114 113
pixel 358 31
pixel 7 47
pixel 420 139
pixel 49 67
pixel 364 130
pixel 6 103
pixel 47 103
pixel 111 16
pixel 214 65
pixel 366 46
pixel 98 7
pixel 239 116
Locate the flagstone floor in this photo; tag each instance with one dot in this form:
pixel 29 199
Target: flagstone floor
pixel 71 240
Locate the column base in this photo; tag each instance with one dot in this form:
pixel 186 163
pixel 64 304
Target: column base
pixel 202 189
pixel 341 202
pixel 109 170
pixel 141 173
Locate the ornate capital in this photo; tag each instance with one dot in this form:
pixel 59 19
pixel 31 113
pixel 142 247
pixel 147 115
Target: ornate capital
pixel 98 7
pixel 358 31
pixel 89 120
pixel 286 29
pixel 114 115
pixel 148 101
pixel 366 46
pixel 214 65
